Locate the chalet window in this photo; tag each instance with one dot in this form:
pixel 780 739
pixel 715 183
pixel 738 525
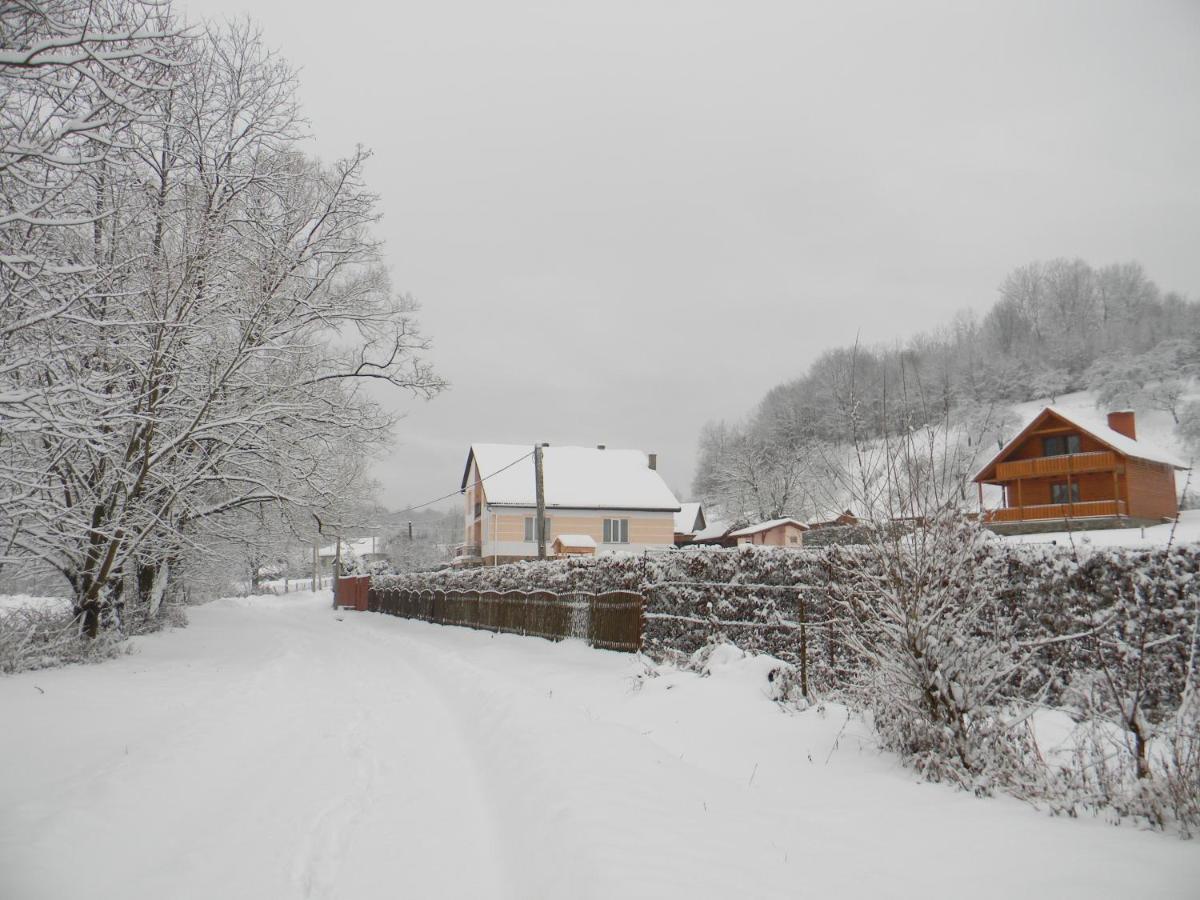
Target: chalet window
pixel 531 528
pixel 1060 493
pixel 616 531
pixel 1060 445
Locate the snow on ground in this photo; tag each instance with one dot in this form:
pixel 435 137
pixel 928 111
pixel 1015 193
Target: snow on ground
pixel 276 749
pixel 1187 532
pixel 10 602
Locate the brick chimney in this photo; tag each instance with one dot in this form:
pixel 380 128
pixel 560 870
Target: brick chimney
pixel 653 461
pixel 1122 423
pixel 599 446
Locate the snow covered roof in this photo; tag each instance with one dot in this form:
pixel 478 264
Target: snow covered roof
pixel 1097 427
pixel 354 549
pixel 767 526
pixel 573 478
pixel 576 541
pixel 689 519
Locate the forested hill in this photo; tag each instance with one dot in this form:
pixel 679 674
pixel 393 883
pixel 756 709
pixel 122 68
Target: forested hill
pixel 1055 327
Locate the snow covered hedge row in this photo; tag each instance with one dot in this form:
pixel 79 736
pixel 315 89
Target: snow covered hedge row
pixel 1066 606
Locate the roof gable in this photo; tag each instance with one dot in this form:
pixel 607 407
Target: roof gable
pixel 572 478
pixel 690 518
pixel 1096 428
pixel 767 526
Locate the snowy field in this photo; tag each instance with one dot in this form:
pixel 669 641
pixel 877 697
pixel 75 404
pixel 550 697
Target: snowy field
pixel 1157 536
pixel 275 749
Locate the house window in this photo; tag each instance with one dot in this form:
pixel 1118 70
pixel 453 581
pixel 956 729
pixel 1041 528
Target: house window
pixel 1060 445
pixel 793 540
pixel 531 528
pixel 616 531
pixel 1061 492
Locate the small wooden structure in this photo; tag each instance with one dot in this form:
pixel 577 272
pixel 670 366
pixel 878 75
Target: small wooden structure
pixel 574 545
pixel 1062 467
pixel 773 533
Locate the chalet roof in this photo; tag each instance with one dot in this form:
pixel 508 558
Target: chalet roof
pixel 689 519
pixel 1098 428
pixel 766 526
pixel 572 478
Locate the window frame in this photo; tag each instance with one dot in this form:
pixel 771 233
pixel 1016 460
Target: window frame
pixel 531 529
pixel 1070 489
pixel 1070 444
pixel 616 531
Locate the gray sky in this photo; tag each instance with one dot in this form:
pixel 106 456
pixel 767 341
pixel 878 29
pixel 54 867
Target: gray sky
pixel 626 218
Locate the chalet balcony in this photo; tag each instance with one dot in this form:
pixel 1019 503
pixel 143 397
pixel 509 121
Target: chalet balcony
pixel 468 550
pixel 1050 466
pixel 1084 510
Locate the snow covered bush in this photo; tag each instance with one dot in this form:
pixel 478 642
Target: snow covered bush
pixel 938 659
pixel 34 637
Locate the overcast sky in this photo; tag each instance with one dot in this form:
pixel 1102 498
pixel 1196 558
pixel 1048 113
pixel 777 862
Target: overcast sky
pixel 624 219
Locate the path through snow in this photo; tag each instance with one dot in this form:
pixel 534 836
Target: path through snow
pixel 274 749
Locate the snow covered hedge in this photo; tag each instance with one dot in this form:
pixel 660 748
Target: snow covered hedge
pixel 1067 605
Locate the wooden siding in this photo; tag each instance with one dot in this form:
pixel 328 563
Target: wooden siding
pixel 1151 490
pixel 1075 463
pixel 1080 510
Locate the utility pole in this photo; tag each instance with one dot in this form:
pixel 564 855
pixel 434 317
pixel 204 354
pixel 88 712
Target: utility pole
pixel 337 564
pixel 540 522
pixel 410 532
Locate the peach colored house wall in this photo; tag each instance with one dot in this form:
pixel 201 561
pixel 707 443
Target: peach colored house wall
pixel 779 536
pixel 504 530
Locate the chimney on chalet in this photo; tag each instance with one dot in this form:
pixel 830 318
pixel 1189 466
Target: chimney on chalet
pixel 654 461
pixel 1122 423
pixel 599 446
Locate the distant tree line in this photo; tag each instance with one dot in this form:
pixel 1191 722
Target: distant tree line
pixel 1057 327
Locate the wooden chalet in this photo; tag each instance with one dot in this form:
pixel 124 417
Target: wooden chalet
pixel 1063 466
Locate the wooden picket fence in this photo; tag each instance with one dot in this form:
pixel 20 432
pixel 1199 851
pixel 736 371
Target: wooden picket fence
pixel 613 620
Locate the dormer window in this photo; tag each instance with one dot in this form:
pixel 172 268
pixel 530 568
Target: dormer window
pixel 1060 445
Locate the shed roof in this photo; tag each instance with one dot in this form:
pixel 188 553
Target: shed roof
pixel 572 478
pixel 767 526
pixel 576 541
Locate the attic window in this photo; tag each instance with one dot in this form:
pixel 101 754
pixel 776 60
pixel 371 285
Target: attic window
pixel 1060 445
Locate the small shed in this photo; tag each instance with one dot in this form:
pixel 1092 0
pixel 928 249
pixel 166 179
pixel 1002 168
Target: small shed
pixel 773 533
pixel 574 545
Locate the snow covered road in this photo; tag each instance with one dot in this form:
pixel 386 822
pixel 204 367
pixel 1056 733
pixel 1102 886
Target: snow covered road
pixel 274 749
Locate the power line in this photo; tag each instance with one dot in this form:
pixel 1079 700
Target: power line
pixel 460 490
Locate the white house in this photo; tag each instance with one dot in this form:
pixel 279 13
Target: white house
pixel 615 497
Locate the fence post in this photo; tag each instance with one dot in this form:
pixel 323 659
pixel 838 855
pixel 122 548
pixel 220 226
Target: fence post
pixel 803 646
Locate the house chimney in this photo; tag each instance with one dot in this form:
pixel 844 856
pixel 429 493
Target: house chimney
pixel 599 446
pixel 1122 423
pixel 654 461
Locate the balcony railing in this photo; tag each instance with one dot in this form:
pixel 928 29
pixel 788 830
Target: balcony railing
pixel 1086 509
pixel 468 550
pixel 1069 464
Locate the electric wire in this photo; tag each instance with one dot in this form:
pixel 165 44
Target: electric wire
pixel 460 490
